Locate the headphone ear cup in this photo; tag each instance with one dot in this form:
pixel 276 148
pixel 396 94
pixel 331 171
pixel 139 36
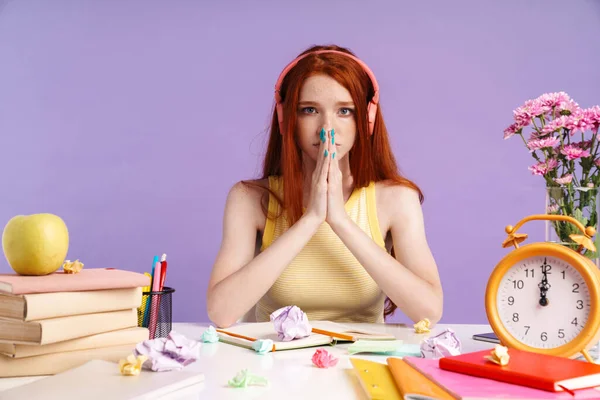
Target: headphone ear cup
pixel 279 107
pixel 371 112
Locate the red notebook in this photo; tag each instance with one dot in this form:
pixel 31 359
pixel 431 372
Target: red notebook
pixel 467 387
pixel 86 279
pixel 540 371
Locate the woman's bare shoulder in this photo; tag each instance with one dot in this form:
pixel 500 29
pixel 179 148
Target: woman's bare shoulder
pixel 393 198
pixel 249 197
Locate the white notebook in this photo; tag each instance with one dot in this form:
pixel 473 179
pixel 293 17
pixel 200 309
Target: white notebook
pixel 102 380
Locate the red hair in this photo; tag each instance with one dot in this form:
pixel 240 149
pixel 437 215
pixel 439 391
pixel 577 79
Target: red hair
pixel 370 158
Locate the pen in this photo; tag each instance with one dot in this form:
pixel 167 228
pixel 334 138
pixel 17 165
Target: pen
pixel 155 261
pixel 333 334
pixel 163 271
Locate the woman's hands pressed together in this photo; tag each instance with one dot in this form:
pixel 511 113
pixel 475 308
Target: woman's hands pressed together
pixel 326 199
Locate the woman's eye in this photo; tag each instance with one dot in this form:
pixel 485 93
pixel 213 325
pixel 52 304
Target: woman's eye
pixel 309 110
pixel 346 111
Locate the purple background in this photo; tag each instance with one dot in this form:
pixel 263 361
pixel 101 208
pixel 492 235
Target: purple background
pixel 132 119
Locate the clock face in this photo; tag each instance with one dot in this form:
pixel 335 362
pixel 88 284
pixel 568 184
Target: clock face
pixel 543 302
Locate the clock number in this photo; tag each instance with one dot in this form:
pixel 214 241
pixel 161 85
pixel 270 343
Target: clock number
pixel 544 336
pixel 518 284
pixel 546 268
pixel 576 288
pixel 515 317
pixel 579 304
pixel 527 329
pixel 511 300
pixel 527 271
pixel 561 333
pixel 563 273
pixel 574 322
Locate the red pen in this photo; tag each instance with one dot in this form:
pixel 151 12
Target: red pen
pixel 163 270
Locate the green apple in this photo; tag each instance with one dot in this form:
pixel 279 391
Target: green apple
pixel 35 244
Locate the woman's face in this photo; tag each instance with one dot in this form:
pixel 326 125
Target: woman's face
pixel 324 103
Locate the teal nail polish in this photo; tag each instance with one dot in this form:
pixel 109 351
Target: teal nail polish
pixel 326 152
pixel 332 137
pixel 333 155
pixel 323 135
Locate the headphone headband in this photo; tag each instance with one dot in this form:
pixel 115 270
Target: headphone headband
pixel 371 108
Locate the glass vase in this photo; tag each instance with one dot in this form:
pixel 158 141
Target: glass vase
pixel 581 203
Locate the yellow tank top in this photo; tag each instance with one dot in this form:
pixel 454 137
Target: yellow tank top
pixel 325 280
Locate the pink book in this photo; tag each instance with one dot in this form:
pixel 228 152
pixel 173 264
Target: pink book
pixel 467 387
pixel 86 279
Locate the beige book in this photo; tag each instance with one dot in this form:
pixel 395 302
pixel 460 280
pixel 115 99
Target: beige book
pixel 50 364
pixel 100 380
pixel 32 307
pixel 54 330
pixel 106 339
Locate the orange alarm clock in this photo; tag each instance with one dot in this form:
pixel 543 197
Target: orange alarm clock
pixel 545 297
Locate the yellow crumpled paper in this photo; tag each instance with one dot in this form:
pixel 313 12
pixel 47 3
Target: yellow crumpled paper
pixel 423 326
pixel 72 267
pixel 132 365
pixel 499 355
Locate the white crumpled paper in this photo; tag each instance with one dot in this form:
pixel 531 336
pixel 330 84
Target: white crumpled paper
pixel 441 345
pixel 171 353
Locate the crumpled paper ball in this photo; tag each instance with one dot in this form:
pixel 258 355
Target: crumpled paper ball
pixel 262 346
pixel 210 335
pixel 132 365
pixel 323 359
pixel 72 267
pixel 423 326
pixel 171 353
pixel 290 322
pixel 441 345
pixel 244 379
pixel 499 355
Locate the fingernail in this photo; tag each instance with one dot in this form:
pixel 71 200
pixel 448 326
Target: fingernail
pixel 333 155
pixel 332 137
pixel 326 152
pixel 323 135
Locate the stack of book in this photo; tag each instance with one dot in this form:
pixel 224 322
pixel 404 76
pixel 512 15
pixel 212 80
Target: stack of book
pixel 52 323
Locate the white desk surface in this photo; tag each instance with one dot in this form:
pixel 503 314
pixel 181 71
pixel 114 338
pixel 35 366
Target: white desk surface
pixel 291 373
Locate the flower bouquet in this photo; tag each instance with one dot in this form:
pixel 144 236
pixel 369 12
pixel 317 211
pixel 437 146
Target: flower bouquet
pixel 564 141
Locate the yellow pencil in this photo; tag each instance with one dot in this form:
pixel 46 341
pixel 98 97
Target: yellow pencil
pixel 142 308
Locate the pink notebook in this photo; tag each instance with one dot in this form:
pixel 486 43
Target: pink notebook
pixel 470 387
pixel 86 279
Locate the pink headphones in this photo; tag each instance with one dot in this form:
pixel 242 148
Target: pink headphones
pixel 371 108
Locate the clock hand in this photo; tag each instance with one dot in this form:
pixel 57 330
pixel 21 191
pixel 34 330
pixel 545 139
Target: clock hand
pixel 544 286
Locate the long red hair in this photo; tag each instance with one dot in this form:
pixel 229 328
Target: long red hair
pixel 371 158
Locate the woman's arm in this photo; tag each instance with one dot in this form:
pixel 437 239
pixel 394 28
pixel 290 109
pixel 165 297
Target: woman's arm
pixel 410 280
pixel 238 279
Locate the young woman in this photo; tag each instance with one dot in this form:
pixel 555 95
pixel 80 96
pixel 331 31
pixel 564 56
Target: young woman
pixel 331 227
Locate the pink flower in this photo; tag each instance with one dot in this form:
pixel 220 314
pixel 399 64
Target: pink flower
pixel 556 124
pixel 511 130
pixel 593 117
pixel 597 162
pixel 567 108
pixel 323 359
pixel 524 114
pixel 564 179
pixel 586 144
pixel 542 168
pixel 580 121
pixel 574 152
pixel 536 144
pixel 557 99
